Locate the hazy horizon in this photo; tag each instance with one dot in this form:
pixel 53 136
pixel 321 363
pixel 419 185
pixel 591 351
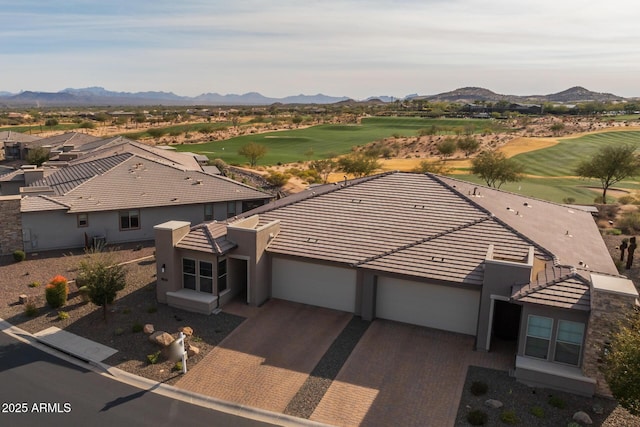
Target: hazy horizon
pixel 352 48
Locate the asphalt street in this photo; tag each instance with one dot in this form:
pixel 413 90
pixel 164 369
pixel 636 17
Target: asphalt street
pixel 37 388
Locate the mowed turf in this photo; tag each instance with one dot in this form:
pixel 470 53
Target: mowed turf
pixel 322 141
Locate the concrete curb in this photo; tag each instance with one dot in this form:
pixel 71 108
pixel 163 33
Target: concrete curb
pixel 172 392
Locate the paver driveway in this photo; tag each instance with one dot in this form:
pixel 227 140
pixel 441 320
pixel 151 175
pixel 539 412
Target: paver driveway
pixel 265 361
pixel 403 375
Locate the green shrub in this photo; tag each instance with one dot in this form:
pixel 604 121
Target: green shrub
pixel 63 315
pixel 556 402
pixel 478 388
pixel 630 223
pixel 137 327
pixel 152 309
pixel 569 200
pixel 118 331
pixel 153 358
pixel 177 366
pixel 19 256
pixel 614 232
pixel 30 309
pixel 509 417
pixel 537 412
pixel 477 417
pixel 626 200
pixel 56 291
pixel 34 284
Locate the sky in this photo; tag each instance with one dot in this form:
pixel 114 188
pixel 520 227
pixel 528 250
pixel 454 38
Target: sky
pixel 354 48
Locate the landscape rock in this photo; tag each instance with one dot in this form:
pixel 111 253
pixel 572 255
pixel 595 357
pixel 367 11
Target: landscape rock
pixel 598 409
pixel 148 329
pixel 192 350
pixel 188 331
pixel 582 417
pixel 492 403
pixel 161 338
pixel 23 298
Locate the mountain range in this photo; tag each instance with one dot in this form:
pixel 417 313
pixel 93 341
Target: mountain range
pixel 98 96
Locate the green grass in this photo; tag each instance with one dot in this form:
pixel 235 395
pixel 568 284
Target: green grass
pixel 562 159
pixel 36 129
pixel 325 140
pixel 192 128
pixel 553 169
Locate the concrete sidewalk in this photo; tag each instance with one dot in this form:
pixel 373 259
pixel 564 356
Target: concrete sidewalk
pixel 77 346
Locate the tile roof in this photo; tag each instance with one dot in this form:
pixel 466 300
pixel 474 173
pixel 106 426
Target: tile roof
pixel 139 182
pixel 76 139
pixel 66 179
pixel 570 290
pixel 12 136
pixel 568 233
pixel 40 203
pixel 209 237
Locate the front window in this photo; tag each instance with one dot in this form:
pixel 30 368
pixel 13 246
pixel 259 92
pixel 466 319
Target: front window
pixel 538 336
pixel 189 273
pixel 231 209
pixel 83 220
pixel 569 342
pixel 130 220
pixel 206 277
pixel 222 274
pixel 208 211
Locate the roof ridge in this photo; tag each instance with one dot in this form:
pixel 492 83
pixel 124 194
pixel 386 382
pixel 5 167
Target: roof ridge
pixel 313 194
pixel 44 196
pixel 421 241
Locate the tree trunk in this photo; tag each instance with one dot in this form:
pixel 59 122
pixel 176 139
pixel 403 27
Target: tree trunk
pixel 604 196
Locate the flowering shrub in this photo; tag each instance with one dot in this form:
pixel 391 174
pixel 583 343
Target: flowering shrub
pixel 56 291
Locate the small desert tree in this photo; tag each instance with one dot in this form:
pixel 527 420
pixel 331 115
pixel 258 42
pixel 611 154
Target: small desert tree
pixel 611 164
pixel 495 169
pixel 103 279
pixel 324 168
pixel 437 167
pixel 468 145
pixel 37 156
pixel 253 152
pixel 358 165
pixel 622 364
pixel 447 147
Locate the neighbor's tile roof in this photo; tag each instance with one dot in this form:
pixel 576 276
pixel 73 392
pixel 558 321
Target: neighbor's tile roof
pixel 12 136
pixel 138 182
pixel 208 237
pixel 41 203
pixel 569 290
pixel 66 179
pixel 70 138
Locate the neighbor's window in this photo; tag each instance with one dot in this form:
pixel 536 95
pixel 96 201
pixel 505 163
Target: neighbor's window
pixel 130 220
pixel 208 212
pixel 231 209
pixel 538 336
pixel 206 277
pixel 83 220
pixel 569 342
pixel 222 274
pixel 189 273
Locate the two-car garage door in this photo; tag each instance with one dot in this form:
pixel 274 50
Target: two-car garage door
pixel 314 284
pixel 440 307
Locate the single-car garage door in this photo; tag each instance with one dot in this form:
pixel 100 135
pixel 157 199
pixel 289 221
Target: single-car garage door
pixel 314 284
pixel 440 307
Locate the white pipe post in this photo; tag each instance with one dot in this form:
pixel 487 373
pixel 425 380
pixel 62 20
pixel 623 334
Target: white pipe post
pixel 184 353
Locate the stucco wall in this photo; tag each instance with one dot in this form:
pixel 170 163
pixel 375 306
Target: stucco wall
pixel 10 224
pixel 59 230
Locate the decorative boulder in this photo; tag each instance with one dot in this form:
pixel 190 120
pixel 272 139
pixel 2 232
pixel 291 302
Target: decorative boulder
pixel 187 330
pixel 192 350
pixel 23 298
pixel 492 403
pixel 161 338
pixel 582 417
pixel 148 329
pixel 598 409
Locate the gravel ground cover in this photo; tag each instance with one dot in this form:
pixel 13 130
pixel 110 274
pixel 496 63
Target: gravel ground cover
pixel 310 394
pixel 521 399
pixel 135 306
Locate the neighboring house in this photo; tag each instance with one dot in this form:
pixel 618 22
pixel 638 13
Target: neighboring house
pixel 419 249
pixel 12 143
pixel 54 144
pixel 120 197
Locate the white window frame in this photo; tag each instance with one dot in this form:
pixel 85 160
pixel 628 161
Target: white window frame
pixel 558 340
pixel 549 339
pixel 197 275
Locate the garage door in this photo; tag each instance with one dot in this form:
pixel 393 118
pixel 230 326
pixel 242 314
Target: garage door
pixel 434 306
pixel 314 284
